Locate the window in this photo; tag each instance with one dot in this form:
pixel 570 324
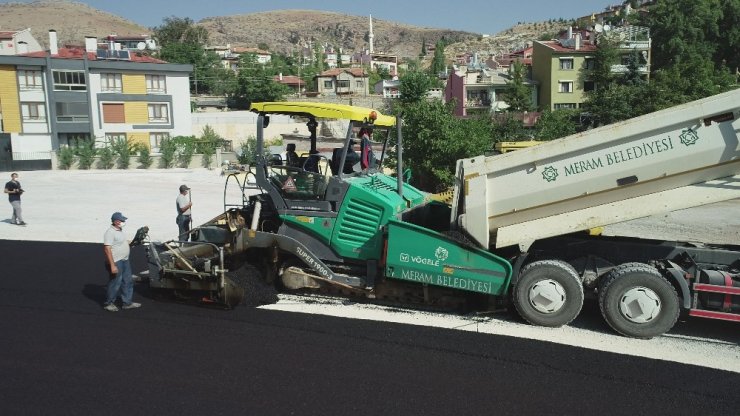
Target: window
pixel 158 113
pixel 29 80
pixel 73 112
pixel 343 83
pixel 110 82
pixel 69 81
pixel 156 84
pixel 563 106
pixel 565 86
pixel 113 113
pixel 566 63
pixel 111 138
pixel 359 83
pixel 589 63
pixel 589 85
pixel 155 140
pixel 328 84
pixel 33 112
pixel 76 139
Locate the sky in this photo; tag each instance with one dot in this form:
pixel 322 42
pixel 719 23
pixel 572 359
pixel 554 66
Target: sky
pixel 478 16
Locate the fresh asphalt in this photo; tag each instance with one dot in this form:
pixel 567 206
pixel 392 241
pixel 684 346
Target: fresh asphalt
pixel 62 354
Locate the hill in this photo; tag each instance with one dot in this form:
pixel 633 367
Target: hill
pixel 72 21
pixel 286 30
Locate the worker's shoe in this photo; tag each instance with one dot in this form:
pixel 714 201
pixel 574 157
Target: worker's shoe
pixel 132 305
pixel 111 307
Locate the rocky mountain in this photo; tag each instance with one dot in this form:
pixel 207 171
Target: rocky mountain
pixel 282 31
pixel 72 21
pixel 286 30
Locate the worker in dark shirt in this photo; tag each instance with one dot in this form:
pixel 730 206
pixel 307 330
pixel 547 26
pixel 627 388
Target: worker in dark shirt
pixel 14 191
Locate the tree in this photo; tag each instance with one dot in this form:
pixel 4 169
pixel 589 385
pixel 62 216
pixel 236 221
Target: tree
pixel 438 60
pixel 319 63
pixel 556 124
pixel 414 87
pixel 378 75
pixel 695 41
pixel 180 30
pixel 434 139
pixel 255 84
pixel 180 41
pixel 519 95
pixel 508 128
pixel 423 48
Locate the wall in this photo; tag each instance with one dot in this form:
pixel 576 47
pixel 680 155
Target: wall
pixel 238 126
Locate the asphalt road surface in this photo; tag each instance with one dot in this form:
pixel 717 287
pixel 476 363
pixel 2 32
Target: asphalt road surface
pixel 61 353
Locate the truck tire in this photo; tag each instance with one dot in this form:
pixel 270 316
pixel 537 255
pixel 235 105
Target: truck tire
pixel 548 293
pixel 637 301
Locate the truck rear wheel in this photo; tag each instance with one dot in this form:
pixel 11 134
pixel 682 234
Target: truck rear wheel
pixel 548 293
pixel 637 301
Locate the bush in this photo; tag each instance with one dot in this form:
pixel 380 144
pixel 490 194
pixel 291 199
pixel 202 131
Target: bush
pixel 248 151
pixel 86 152
pixel 185 150
pixel 106 158
pixel 145 157
pixel 208 152
pixel 124 150
pixel 168 149
pixel 66 157
pixel 207 145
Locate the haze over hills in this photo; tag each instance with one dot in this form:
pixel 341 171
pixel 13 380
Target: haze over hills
pixel 282 31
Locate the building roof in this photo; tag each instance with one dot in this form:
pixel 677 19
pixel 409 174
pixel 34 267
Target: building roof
pixel 289 80
pixel 357 72
pixel 557 47
pixel 79 53
pixel 239 49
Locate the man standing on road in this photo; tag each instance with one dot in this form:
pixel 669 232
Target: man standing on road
pixel 117 250
pixel 14 191
pixel 183 213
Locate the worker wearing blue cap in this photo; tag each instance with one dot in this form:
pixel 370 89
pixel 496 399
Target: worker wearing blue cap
pixel 117 251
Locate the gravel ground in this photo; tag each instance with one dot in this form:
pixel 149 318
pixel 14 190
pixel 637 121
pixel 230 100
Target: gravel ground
pixel 717 223
pixel 76 206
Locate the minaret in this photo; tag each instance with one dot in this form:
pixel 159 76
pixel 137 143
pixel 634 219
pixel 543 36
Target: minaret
pixel 371 37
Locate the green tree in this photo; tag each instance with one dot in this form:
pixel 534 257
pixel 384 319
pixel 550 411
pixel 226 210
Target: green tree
pixel 519 95
pixel 434 139
pixel 180 30
pixel 423 47
pixel 556 124
pixel 414 86
pixel 438 60
pixel 181 41
pixel 378 75
pixel 255 84
pixel 695 41
pixel 319 63
pixel 507 127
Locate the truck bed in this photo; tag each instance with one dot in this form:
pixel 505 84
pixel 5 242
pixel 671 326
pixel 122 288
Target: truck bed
pixel 677 158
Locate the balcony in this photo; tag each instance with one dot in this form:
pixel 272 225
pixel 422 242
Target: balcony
pixel 477 103
pixel 623 69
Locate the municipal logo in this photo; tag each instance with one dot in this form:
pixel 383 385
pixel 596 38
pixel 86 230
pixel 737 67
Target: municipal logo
pixel 441 254
pixel 550 174
pixel 688 137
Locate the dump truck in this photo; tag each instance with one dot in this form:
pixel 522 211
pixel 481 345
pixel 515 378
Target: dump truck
pixel 515 230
